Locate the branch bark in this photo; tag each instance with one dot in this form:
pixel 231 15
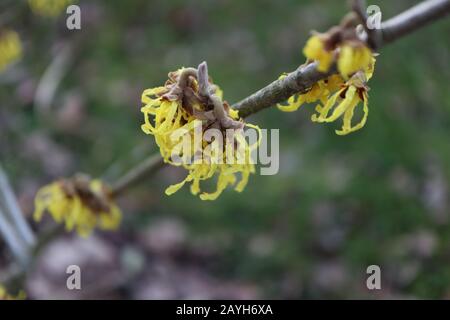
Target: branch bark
pixel 305 76
pixel 280 90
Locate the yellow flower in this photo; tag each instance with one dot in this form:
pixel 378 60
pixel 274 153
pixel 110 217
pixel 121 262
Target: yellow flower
pixel 227 167
pixel 315 49
pixel 79 203
pixel 353 56
pixel 10 48
pixel 185 108
pixel 352 53
pixel 319 91
pixel 343 103
pixel 48 8
pixel 4 295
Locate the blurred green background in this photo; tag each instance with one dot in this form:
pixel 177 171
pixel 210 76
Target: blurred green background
pixel 338 204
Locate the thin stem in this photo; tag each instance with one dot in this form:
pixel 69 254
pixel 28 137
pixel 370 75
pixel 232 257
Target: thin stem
pixel 137 174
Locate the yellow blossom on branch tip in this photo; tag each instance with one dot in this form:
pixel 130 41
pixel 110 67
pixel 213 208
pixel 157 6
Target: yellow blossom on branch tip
pixel 79 203
pixel 10 48
pixel 4 295
pixel 315 50
pixel 352 58
pixel 49 8
pixel 186 107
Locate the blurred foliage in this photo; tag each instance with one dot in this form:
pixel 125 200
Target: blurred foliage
pixel 378 196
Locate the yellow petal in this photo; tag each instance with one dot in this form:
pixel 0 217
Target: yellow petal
pixel 243 183
pixel 315 50
pixel 361 123
pixel 353 58
pixel 175 187
pixel 344 105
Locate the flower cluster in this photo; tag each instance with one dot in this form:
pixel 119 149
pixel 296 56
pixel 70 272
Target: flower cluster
pixel 79 203
pixel 10 48
pixel 48 8
pixel 186 107
pixel 4 295
pixel 339 94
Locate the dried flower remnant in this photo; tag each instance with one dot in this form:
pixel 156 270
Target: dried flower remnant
pixel 10 48
pixel 79 203
pixel 189 104
pixel 48 8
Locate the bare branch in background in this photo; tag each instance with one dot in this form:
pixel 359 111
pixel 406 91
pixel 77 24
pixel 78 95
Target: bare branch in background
pixel 13 210
pixel 302 78
pixel 16 245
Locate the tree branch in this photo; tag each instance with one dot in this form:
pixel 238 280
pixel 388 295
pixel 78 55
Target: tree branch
pixel 136 174
pixel 12 207
pixel 305 76
pixel 279 90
